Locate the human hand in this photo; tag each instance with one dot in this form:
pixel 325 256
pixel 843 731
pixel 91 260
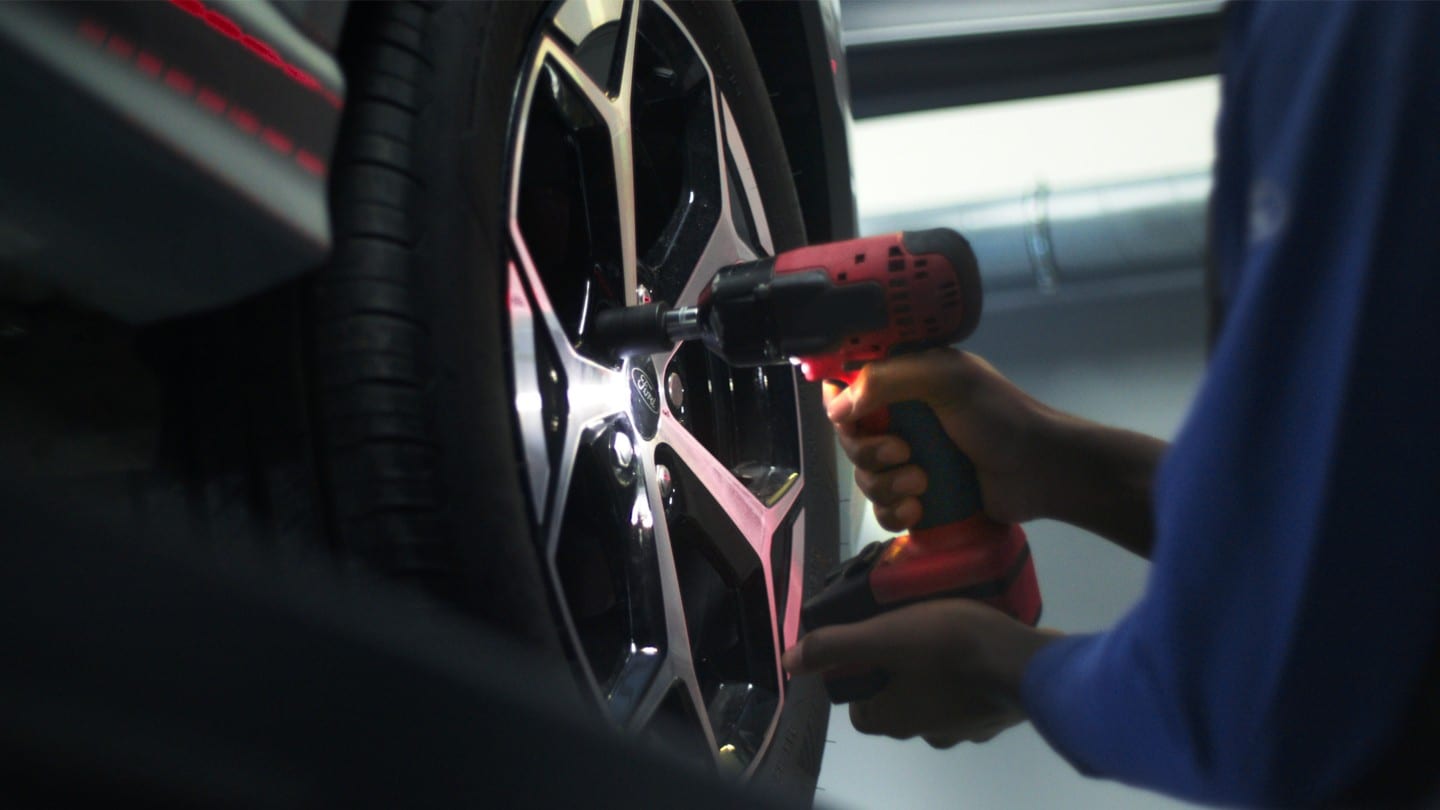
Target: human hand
pixel 955 669
pixel 991 420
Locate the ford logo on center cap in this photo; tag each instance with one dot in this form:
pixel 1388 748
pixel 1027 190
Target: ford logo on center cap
pixel 645 389
pixel 645 398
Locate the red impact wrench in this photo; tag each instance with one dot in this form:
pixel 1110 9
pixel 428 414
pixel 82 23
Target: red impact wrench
pixel 833 308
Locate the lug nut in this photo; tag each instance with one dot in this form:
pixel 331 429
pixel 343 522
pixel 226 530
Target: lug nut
pixel 622 450
pixel 667 487
pixel 675 389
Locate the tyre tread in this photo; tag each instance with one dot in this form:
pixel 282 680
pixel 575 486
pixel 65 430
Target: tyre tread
pixel 375 427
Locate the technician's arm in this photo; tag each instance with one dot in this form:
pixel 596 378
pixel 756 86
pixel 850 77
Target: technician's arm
pixel 1292 613
pixel 1032 460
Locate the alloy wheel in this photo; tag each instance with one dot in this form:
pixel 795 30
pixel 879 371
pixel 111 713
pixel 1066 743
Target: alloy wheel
pixel 665 490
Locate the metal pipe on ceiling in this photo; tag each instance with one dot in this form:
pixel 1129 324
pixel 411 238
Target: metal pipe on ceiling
pixel 1047 240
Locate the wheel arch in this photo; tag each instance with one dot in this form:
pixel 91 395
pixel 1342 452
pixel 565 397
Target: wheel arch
pixel 803 62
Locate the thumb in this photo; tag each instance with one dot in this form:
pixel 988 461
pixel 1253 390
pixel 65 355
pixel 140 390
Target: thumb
pixel 824 649
pixel 879 640
pixel 837 401
pixel 926 376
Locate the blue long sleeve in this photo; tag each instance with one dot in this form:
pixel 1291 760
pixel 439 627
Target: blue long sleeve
pixel 1294 598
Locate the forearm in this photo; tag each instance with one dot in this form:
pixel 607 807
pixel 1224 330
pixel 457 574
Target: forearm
pixel 1098 478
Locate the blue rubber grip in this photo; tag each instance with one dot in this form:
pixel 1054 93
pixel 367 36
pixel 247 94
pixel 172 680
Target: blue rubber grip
pixel 953 492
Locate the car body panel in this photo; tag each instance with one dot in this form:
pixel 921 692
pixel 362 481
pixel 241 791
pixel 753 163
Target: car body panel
pixel 173 158
pixel 166 158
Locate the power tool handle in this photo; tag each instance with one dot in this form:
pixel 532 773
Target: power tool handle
pixel 995 555
pixel 953 490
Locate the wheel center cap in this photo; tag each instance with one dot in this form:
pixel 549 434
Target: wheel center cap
pixel 644 398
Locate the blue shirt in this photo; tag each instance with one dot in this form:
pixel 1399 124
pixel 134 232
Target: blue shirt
pixel 1294 597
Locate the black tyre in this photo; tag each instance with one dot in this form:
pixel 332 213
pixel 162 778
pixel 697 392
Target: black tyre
pixel 504 171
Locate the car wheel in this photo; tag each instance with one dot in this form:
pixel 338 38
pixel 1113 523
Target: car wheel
pixel 505 172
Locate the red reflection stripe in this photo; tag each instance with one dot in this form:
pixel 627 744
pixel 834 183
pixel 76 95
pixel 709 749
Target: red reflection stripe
pixel 221 23
pixel 310 162
pixel 276 140
pixel 180 81
pixel 148 64
pixel 208 98
pixel 244 120
pixel 226 26
pixel 122 48
pixel 211 100
pixel 92 32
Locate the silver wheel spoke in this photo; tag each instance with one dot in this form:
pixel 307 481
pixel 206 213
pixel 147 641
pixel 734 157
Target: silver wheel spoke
pixel 616 115
pixel 679 663
pixel 723 248
pixel 592 393
pixel 654 695
pixel 725 245
pixel 529 402
pixel 624 149
pixel 794 587
pixel 757 522
pixel 748 515
pixel 730 136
